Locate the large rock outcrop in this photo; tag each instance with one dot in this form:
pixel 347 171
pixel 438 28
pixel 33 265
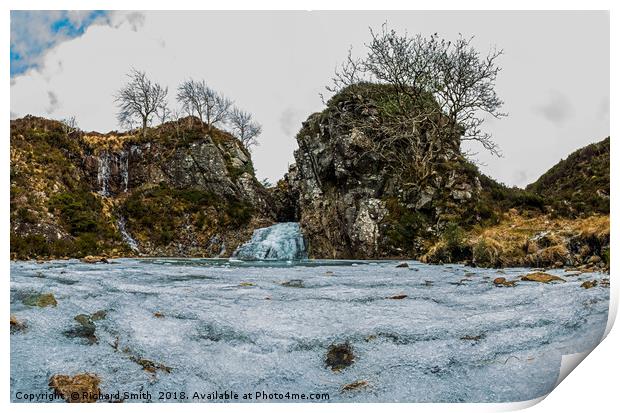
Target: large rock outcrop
pixel 352 194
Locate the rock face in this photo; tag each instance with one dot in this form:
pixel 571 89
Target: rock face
pixel 212 161
pixel 352 201
pixel 182 190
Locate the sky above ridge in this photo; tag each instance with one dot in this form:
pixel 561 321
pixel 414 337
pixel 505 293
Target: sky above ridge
pixel 554 78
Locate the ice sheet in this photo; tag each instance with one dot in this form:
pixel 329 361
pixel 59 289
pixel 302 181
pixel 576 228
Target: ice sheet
pixel 231 325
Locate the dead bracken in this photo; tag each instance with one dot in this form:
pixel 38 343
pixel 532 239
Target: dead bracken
pixel 339 356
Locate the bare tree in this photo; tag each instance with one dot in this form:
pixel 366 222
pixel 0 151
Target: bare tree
pixel 244 128
pixel 209 105
pixel 460 81
pixel 351 71
pixel 174 116
pixel 140 99
pixel 69 125
pixel 164 114
pixel 190 95
pixel 466 89
pixel 217 107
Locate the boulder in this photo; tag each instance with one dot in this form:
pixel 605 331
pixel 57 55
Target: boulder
pixel 17 325
pixel 93 259
pixel 398 297
pixel 293 283
pixel 589 284
pixel 85 329
pixel 73 388
pixel 99 315
pixel 40 300
pixel 541 277
pixel 357 189
pixel 339 356
pixel 595 259
pixel 502 282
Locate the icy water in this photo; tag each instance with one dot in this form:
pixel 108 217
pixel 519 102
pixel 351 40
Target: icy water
pixel 266 327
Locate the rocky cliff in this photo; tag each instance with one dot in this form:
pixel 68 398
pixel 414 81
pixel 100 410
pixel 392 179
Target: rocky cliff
pixel 351 192
pixel 183 190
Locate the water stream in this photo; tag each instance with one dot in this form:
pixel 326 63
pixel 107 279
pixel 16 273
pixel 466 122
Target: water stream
pixel 129 240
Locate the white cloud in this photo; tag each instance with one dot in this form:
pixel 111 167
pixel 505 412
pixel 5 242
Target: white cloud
pixel 33 32
pixel 558 108
pixel 53 102
pixel 275 64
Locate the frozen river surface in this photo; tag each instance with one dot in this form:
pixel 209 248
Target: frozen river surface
pixel 260 327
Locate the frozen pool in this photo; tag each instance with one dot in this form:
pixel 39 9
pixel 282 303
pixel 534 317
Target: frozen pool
pixel 234 326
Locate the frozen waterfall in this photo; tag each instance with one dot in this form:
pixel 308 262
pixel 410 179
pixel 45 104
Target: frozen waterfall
pixel 103 174
pixel 282 241
pixel 133 244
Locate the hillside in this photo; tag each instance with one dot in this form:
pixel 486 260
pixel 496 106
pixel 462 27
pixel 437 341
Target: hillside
pixel 579 184
pixel 362 188
pixel 562 219
pixel 183 190
pixel 359 189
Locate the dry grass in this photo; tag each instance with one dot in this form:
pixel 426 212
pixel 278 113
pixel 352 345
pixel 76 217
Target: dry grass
pixel 108 142
pixel 529 241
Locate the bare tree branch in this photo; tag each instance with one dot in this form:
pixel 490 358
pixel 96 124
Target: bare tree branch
pixel 244 128
pixel 69 125
pixel 431 71
pixel 140 99
pixel 199 99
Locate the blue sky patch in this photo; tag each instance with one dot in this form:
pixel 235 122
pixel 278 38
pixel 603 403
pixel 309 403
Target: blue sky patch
pixel 33 33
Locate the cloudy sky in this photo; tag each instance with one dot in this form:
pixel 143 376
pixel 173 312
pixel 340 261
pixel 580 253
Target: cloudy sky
pixel 555 77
